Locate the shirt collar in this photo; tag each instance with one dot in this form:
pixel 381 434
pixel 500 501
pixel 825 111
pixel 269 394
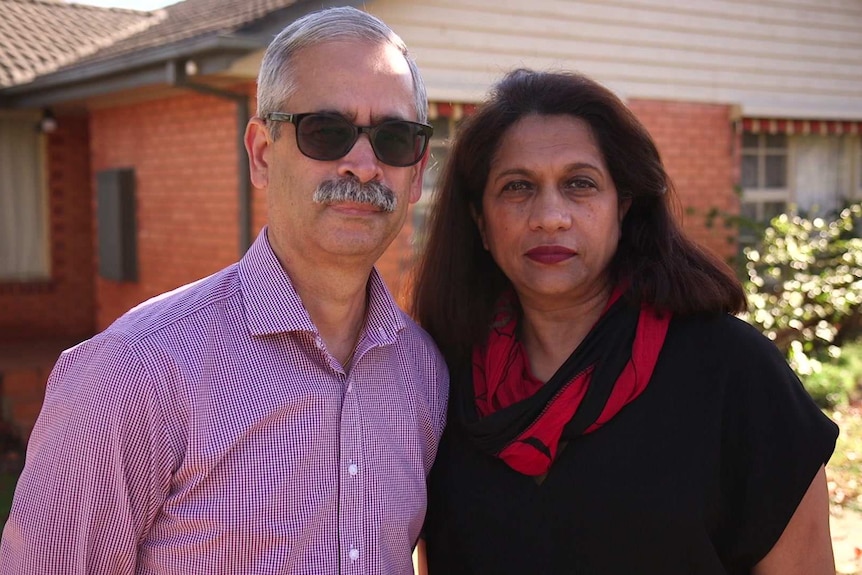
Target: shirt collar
pixel 273 306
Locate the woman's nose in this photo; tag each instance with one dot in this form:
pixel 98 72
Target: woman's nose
pixel 550 212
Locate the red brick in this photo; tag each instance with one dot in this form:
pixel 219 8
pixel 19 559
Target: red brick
pixel 25 413
pixel 696 142
pixel 24 416
pixel 186 191
pixel 24 384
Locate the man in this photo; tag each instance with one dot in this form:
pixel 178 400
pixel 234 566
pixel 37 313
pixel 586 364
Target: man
pixel 281 415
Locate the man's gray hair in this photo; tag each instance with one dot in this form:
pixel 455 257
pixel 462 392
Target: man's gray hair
pixel 276 82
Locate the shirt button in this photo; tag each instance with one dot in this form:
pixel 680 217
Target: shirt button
pixel 354 554
pixel 349 388
pixel 352 469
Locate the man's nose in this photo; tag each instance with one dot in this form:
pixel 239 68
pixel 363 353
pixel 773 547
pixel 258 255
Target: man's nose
pixel 360 162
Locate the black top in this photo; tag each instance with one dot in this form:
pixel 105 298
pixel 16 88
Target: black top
pixel 698 475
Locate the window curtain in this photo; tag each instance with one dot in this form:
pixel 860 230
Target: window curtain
pixel 822 173
pixel 23 203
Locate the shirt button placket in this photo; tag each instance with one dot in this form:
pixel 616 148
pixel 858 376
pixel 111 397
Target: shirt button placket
pixel 351 516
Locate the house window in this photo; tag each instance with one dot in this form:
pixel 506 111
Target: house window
pixel 765 174
pixel 23 201
pixel 765 183
pixel 812 166
pixel 444 130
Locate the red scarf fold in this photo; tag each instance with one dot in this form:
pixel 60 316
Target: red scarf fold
pixel 502 379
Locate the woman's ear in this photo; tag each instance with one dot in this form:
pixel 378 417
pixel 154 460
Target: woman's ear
pixel 625 204
pixel 480 224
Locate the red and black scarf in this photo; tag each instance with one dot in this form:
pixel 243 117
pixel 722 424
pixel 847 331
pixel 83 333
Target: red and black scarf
pixel 520 419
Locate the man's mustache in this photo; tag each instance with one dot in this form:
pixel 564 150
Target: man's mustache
pixel 340 190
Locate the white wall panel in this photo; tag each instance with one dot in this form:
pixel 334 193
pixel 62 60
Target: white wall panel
pixel 797 58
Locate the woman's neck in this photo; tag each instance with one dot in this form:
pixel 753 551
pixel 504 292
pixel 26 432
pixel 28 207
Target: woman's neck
pixel 550 333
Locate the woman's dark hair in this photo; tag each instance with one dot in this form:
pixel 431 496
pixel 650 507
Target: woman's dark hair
pixel 457 283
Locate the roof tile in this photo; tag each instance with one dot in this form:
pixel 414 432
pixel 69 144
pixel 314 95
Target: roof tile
pixel 40 36
pixel 195 18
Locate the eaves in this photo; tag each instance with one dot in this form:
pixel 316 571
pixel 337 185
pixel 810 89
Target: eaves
pixel 154 66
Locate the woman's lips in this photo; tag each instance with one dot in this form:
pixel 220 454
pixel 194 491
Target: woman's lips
pixel 550 254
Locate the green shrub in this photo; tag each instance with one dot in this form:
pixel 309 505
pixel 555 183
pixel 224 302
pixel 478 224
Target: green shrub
pixel 804 286
pixel 839 380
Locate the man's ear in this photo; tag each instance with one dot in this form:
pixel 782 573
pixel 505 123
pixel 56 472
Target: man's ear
pixel 418 177
pixel 257 145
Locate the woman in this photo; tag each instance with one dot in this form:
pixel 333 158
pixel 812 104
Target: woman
pixel 608 414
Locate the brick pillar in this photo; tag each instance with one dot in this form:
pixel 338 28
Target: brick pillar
pixel 696 142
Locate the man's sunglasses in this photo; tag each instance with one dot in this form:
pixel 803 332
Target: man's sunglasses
pixel 328 137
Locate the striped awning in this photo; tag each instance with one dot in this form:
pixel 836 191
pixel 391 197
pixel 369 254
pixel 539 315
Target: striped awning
pixel 789 127
pixel 449 110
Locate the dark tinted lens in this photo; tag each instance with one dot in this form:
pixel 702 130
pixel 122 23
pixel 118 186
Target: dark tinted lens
pixel 399 143
pixel 325 137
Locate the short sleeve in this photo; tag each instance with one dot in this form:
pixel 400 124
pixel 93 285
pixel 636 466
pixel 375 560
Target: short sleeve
pixel 774 440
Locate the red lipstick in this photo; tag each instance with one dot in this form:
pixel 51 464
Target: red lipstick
pixel 550 254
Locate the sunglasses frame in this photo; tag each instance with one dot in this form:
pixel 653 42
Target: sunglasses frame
pixel 296 120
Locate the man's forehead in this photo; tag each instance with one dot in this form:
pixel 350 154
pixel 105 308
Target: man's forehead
pixel 378 56
pixel 355 79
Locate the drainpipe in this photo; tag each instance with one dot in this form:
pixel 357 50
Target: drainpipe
pixel 178 73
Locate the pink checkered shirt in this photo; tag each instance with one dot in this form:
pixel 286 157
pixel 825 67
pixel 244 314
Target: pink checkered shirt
pixel 209 431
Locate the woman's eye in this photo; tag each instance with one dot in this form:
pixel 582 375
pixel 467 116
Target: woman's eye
pixel 582 184
pixel 516 186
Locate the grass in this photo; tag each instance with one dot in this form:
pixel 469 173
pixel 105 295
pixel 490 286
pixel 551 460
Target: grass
pixel 845 467
pixel 7 489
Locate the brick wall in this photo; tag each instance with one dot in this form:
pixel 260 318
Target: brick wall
pixel 184 153
pixel 396 263
pixel 62 307
pixel 697 145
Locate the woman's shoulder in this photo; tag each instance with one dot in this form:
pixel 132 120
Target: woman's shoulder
pixel 723 333
pixel 726 347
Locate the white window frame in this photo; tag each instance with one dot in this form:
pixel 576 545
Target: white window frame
pixel 760 195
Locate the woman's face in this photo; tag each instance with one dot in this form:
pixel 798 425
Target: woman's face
pixel 550 215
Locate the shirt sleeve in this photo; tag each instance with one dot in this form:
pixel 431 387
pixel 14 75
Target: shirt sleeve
pixel 774 441
pixel 98 467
